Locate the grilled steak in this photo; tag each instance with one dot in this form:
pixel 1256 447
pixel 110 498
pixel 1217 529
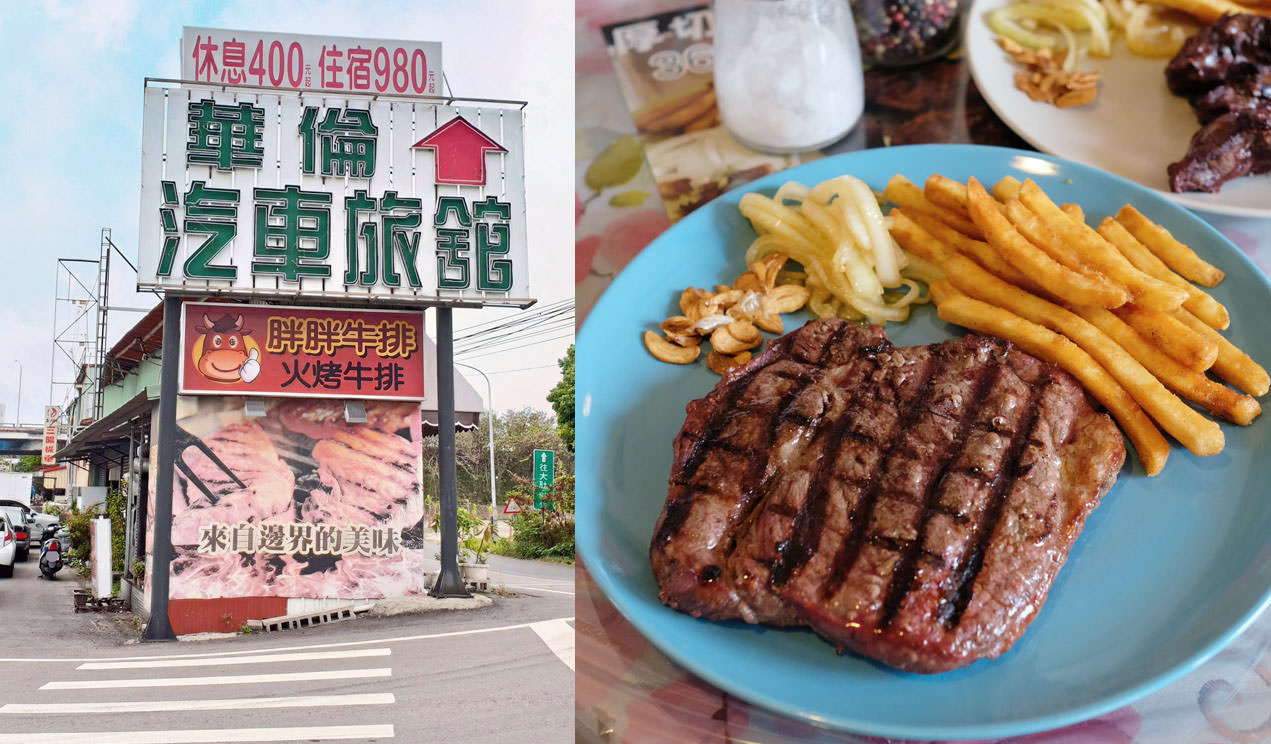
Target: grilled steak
pixel 366 477
pixel 911 504
pixel 1225 71
pixel 245 449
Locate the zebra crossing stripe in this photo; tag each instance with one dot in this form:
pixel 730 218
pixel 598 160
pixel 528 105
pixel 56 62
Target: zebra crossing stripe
pixel 236 679
pixel 235 660
pixel 207 736
pixel 166 706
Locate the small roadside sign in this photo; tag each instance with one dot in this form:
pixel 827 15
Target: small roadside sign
pixel 544 476
pixel 513 507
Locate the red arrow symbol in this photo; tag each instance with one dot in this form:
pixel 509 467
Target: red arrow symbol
pixel 459 152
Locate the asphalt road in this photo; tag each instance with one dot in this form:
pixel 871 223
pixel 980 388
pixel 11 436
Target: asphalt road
pixel 503 673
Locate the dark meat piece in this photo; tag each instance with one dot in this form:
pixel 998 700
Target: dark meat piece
pixel 1225 70
pixel 1209 57
pixel 1252 95
pixel 911 504
pixel 1233 145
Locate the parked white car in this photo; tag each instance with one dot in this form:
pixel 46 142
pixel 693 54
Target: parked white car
pixel 8 548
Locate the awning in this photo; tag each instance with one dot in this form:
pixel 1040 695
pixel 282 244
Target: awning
pixel 106 440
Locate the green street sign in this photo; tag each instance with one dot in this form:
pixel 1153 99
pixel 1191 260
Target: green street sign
pixel 544 477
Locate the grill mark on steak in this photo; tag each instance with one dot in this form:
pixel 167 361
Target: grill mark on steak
pixel 810 516
pixel 863 513
pixel 903 577
pixel 959 596
pixel 678 512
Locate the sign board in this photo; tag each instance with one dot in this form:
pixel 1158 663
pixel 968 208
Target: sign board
pixel 513 507
pixel 353 198
pixel 302 62
pixel 51 414
pixel 274 350
pixel 544 476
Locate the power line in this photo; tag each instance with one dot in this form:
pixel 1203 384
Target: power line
pixel 518 341
pixel 522 346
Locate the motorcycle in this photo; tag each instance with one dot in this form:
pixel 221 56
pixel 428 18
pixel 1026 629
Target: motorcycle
pixel 51 548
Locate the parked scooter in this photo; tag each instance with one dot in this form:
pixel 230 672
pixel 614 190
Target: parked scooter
pixel 51 549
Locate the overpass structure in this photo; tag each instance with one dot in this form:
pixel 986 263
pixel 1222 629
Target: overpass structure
pixel 21 440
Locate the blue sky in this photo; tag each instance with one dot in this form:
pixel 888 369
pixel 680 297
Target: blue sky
pixel 71 74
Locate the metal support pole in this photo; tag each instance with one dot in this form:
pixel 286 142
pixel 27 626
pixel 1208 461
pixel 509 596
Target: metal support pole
pixel 489 399
pixel 449 583
pixel 160 627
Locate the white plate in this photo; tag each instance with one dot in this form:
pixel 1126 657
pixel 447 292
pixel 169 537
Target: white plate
pixel 1135 128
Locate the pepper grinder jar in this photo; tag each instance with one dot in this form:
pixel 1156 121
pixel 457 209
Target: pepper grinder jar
pixel 894 33
pixel 788 73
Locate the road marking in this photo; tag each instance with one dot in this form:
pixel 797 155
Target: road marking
pixel 195 736
pixel 342 644
pixel 533 588
pixel 236 679
pixel 559 637
pixel 262 659
pixel 153 706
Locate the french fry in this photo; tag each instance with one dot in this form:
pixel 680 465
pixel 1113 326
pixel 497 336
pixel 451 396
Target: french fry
pixel 917 240
pixel 982 252
pixel 1209 11
pixel 1172 336
pixel 1198 301
pixel 1177 256
pixel 1097 252
pixel 1028 258
pixel 1040 233
pixel 904 193
pixel 955 307
pixel 1232 364
pixel 1194 431
pixel 1219 400
pixel 946 192
pixel 1074 211
pixel 1007 188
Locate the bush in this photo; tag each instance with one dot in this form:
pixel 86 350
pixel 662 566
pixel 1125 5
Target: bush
pixel 116 505
pixel 540 535
pixel 80 526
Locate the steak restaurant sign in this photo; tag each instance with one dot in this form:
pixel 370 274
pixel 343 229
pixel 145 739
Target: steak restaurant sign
pixel 286 194
pixel 273 350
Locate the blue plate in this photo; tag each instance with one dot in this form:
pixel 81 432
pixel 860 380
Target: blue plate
pixel 1168 570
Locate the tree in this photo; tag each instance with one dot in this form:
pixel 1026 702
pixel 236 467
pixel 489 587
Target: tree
pixel 28 464
pixel 562 399
pixel 517 433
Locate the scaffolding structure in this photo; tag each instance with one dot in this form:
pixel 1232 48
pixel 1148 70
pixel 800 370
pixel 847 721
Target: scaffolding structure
pixel 81 313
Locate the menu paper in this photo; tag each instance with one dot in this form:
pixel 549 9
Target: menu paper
pixel 665 68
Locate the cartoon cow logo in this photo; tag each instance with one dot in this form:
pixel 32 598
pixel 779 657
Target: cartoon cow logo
pixel 225 351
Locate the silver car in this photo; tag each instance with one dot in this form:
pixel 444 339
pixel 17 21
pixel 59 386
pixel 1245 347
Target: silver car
pixel 8 548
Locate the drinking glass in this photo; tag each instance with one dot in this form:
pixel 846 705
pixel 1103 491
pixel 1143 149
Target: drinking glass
pixel 788 73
